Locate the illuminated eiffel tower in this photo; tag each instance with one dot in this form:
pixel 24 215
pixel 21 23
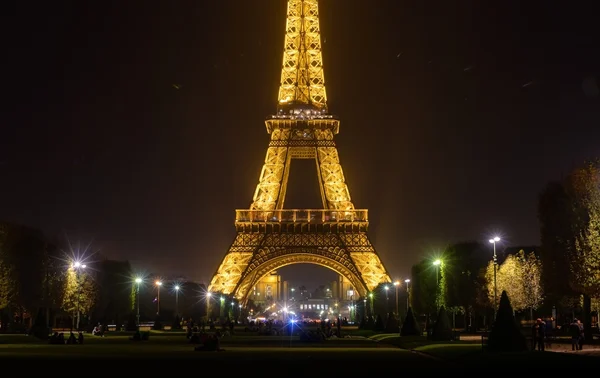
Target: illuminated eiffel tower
pixel 270 236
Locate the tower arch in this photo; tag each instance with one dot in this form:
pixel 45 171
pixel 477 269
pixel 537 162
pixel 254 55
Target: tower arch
pixel 275 259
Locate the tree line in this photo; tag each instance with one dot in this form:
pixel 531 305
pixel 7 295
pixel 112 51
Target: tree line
pixel 39 283
pixel 561 277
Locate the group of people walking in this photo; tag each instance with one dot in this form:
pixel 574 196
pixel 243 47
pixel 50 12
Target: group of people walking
pixel 540 337
pixel 577 335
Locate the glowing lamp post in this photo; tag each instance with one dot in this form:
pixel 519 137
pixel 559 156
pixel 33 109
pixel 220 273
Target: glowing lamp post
pixel 396 285
pixel 208 295
pixel 493 241
pixel 407 281
pixel 177 300
pixel 77 267
pixel 158 285
pixel 437 264
pixel 138 281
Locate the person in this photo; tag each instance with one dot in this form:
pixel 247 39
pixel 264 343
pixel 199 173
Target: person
pixel 71 339
pixel 581 335
pixel 541 335
pixel 534 336
pixel 575 332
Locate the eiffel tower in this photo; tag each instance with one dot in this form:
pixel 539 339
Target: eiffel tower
pixel 270 236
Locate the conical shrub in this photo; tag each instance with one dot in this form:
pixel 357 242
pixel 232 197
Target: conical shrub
pixel 176 323
pixel 131 322
pixel 379 324
pixel 506 335
pixel 441 329
pixel 410 327
pixel 391 324
pixel 363 323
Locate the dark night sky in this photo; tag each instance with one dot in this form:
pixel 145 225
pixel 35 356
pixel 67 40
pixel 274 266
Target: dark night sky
pixel 454 116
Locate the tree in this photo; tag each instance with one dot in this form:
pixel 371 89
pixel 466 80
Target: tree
pixel 505 335
pixel 520 276
pixel 531 271
pixel 584 249
pixel 410 327
pixel 116 290
pixel 22 252
pixel 80 292
pixel 423 287
pixel 462 263
pixel 554 214
pixel 442 330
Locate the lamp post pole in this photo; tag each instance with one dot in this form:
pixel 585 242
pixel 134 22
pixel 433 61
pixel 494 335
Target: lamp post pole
pixel 407 295
pixel 208 295
pixel 493 241
pixel 176 300
pixel 138 281
pixel 77 266
pixel 397 284
pixel 158 285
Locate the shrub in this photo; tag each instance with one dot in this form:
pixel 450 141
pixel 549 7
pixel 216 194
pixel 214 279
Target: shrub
pixel 379 324
pixel 176 323
pixel 506 335
pixel 410 327
pixel 131 322
pixel 158 326
pixel 442 330
pixel 39 328
pixel 391 324
pixel 363 323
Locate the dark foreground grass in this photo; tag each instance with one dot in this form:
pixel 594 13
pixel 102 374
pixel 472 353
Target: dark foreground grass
pixel 162 356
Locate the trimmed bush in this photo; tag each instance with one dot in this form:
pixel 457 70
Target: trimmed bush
pixel 158 326
pixel 410 327
pixel 506 335
pixel 391 323
pixel 442 330
pixel 176 323
pixel 39 328
pixel 363 323
pixel 379 324
pixel 131 322
pixel 370 323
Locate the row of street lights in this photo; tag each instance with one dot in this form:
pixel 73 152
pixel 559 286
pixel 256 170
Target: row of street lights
pixel 158 283
pixel 437 263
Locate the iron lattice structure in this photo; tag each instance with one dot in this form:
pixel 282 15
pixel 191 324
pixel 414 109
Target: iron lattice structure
pixel 269 236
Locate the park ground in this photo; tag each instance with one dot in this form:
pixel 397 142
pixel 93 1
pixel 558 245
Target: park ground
pixel 252 355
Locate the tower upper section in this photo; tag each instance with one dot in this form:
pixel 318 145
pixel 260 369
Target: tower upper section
pixel 302 89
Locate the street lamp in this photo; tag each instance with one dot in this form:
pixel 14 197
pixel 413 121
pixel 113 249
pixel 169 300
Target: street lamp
pixel 437 264
pixel 407 281
pixel 397 284
pixel 158 285
pixel 208 295
pixel 387 298
pixel 138 281
pixel 177 300
pixel 493 241
pixel 77 266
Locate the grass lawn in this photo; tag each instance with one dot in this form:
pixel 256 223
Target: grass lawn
pixel 251 355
